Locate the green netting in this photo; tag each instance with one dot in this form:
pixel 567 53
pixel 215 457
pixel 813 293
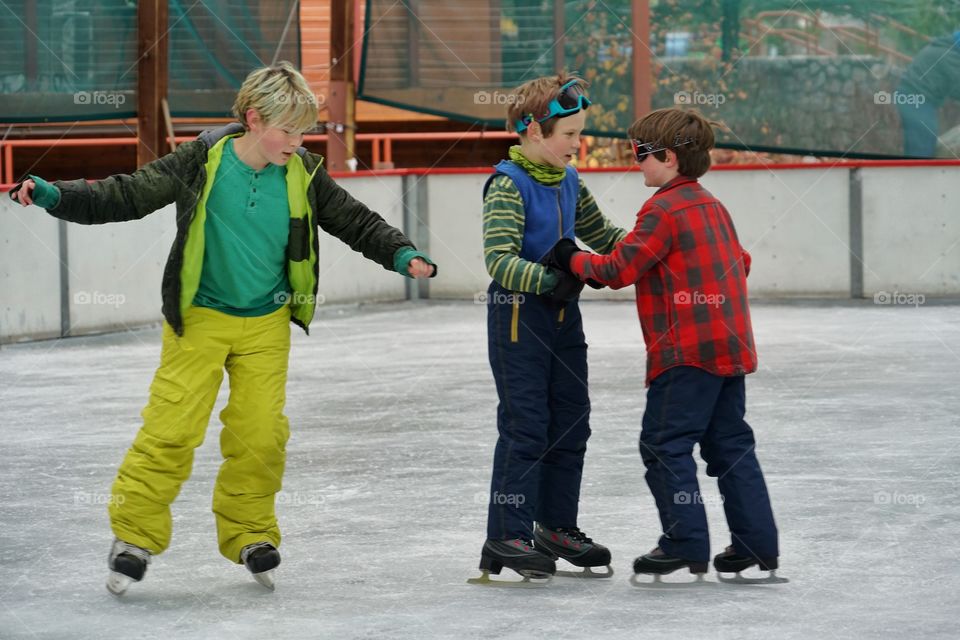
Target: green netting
pixel 68 60
pixel 873 78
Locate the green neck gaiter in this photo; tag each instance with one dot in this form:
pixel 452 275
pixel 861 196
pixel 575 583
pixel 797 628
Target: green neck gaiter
pixel 542 173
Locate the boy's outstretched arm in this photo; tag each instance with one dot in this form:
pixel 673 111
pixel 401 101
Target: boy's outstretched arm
pixel 344 217
pixel 118 198
pixel 503 224
pixel 594 228
pixel 630 259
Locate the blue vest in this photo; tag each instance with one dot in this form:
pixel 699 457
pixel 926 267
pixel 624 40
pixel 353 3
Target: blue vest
pixel 547 210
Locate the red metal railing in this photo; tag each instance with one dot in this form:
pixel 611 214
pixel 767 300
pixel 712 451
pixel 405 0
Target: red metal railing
pixel 382 144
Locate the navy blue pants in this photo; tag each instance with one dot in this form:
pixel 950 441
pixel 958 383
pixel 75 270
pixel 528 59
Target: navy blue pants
pixel 539 360
pixel 687 406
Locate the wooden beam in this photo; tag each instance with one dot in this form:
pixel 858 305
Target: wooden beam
pixel 340 144
pixel 152 18
pixel 642 67
pixel 168 122
pixel 413 42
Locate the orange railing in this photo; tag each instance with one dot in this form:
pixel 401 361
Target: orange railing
pixel 809 38
pixel 382 144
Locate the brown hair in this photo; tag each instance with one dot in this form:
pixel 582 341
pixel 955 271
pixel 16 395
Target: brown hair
pixel 685 132
pixel 534 97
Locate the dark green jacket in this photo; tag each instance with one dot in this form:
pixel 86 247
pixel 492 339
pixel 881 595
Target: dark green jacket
pixel 316 201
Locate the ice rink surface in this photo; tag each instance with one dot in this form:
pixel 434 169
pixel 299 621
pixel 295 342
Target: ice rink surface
pixel 392 411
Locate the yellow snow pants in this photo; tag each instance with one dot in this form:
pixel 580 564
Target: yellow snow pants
pixel 254 352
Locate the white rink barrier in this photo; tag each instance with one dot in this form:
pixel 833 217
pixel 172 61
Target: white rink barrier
pixel 875 230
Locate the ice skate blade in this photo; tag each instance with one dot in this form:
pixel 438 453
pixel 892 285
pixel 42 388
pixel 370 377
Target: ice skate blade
pixel 117 583
pixel 266 579
pixel 588 572
pixel 658 583
pixel 534 581
pixel 773 578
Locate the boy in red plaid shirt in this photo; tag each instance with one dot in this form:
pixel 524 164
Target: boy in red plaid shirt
pixel 690 274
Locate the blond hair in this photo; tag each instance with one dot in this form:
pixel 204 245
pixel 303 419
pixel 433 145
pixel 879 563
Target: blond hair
pixel 534 97
pixel 280 94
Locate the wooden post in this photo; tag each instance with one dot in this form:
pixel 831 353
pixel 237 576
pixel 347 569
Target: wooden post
pixel 413 43
pixel 340 143
pixel 152 18
pixel 642 69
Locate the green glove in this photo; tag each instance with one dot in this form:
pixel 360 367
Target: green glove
pixel 403 256
pixel 45 195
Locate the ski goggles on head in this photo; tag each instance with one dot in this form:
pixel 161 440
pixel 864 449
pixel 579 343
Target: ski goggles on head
pixel 643 149
pixel 570 100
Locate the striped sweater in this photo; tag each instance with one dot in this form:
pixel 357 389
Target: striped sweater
pixel 503 222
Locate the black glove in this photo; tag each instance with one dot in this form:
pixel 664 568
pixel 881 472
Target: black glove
pixel 560 257
pixel 561 254
pixel 567 289
pixel 594 284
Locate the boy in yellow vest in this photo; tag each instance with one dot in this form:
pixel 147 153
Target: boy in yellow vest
pixel 250 204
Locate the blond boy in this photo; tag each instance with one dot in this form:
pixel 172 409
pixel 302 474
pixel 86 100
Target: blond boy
pixel 250 203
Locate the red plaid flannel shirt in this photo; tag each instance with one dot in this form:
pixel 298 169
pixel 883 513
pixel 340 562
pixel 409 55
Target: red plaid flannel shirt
pixel 690 273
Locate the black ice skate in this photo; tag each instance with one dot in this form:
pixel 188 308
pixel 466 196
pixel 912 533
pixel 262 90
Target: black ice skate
pixel 128 563
pixel 518 555
pixel 575 547
pixel 731 562
pixel 657 563
pixel 261 559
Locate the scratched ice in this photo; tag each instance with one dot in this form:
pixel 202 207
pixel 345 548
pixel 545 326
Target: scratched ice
pixel 392 413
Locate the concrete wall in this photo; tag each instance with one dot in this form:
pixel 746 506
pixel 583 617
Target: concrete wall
pixel 911 229
pixel 114 271
pixel 794 223
pixel 345 275
pixel 797 223
pixel 29 272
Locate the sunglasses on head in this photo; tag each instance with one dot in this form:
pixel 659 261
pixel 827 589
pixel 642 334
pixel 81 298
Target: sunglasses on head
pixel 643 149
pixel 570 100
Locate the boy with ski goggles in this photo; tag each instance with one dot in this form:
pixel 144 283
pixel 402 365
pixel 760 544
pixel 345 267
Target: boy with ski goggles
pixel 538 354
